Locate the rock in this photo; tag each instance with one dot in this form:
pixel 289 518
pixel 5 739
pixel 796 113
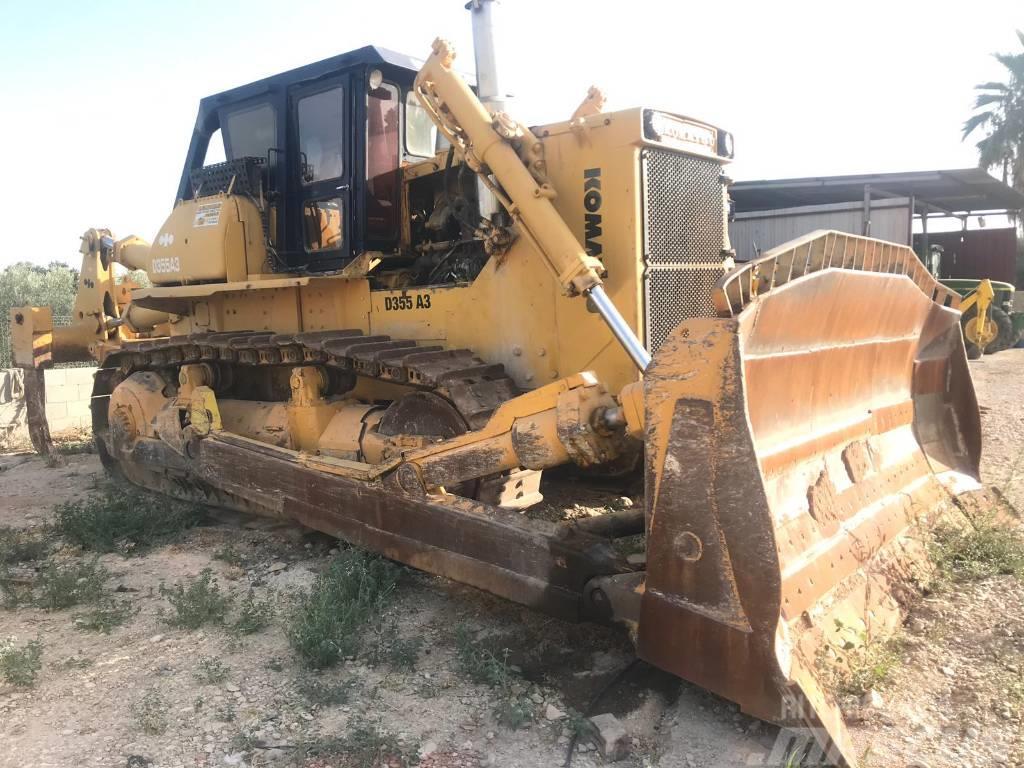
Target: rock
pixel 625 501
pixel 238 758
pixel 234 573
pixel 428 748
pixel 231 688
pixel 490 734
pixel 333 551
pixel 276 567
pixel 467 745
pixel 636 558
pixel 947 671
pixel 536 698
pixel 918 764
pixel 273 755
pixel 609 736
pixel 871 699
pixel 972 732
pixel 156 639
pixel 553 713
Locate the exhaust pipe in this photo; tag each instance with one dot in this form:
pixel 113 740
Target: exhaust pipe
pixel 485 14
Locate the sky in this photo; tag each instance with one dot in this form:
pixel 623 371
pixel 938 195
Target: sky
pixel 98 98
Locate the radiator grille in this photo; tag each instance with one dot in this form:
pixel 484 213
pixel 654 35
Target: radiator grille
pixel 683 239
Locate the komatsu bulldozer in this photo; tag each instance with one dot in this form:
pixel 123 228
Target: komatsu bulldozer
pixel 391 307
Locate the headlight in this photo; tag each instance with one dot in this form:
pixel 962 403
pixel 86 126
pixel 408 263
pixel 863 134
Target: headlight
pixel 679 133
pixel 725 145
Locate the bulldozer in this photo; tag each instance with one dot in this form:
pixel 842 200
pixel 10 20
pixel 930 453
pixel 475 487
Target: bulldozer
pixel 391 310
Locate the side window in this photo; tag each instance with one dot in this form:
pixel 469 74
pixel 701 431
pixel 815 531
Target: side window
pixel 251 131
pixel 420 131
pixel 322 225
pixel 320 135
pixel 382 149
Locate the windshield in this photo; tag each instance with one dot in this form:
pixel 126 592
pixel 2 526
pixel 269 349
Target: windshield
pixel 250 132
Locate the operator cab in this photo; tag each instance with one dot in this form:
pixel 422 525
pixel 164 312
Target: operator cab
pixel 319 149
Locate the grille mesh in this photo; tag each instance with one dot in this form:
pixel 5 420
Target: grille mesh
pixel 683 239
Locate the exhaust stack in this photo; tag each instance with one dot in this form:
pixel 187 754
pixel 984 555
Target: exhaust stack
pixel 485 14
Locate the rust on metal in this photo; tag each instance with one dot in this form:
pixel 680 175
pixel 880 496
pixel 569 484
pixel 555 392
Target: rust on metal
pixel 799 439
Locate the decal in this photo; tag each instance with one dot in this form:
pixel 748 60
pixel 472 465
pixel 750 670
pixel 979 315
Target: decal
pixel 592 217
pixel 207 215
pixel 166 264
pixel 166 239
pixel 401 303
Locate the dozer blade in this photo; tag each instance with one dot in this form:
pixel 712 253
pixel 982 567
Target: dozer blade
pixel 794 444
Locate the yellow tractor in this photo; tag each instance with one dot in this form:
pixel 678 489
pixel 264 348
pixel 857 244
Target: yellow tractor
pixel 392 306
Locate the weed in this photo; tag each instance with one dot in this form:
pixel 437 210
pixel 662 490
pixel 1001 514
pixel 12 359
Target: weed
pixel 479 662
pixel 18 545
pixel 124 519
pixel 513 710
pixel 226 713
pixel 202 602
pixel 482 664
pixel 364 744
pixel 254 616
pixel 244 741
pixel 62 586
pixel 149 713
pixel 392 649
pixel 980 551
pixel 427 689
pixel 324 693
pixel 211 671
pixel 105 616
pixel 230 555
pixel 861 663
pixel 13 592
pixel 275 664
pixel 19 666
pixel 329 621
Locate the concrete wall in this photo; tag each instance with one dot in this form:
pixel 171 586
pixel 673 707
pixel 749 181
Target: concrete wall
pixel 67 401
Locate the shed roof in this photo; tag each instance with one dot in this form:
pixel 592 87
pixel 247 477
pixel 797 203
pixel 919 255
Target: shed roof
pixel 965 190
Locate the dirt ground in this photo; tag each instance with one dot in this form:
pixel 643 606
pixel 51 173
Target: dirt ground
pixel 955 700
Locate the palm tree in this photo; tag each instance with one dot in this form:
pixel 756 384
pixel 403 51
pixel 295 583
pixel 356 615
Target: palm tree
pixel 1003 118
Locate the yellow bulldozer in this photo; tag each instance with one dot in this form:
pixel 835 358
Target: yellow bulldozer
pixel 390 307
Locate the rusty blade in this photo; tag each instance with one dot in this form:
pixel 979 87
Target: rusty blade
pixel 791 451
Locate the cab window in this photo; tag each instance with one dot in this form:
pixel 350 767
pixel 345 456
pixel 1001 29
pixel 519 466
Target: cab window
pixel 320 135
pixel 382 162
pixel 420 131
pixel 250 131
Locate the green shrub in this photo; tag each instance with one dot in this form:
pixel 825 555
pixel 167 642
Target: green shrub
pixel 980 551
pixel 18 545
pixel 211 671
pixel 201 602
pixel 124 519
pixel 62 586
pixel 330 620
pixel 253 616
pixel 104 617
pixel 20 666
pixel 149 713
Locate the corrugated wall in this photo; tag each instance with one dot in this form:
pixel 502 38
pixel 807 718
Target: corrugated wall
pixel 757 231
pixel 976 253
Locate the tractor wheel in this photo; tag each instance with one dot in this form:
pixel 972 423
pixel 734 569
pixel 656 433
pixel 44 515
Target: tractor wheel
pixel 973 336
pixel 1006 337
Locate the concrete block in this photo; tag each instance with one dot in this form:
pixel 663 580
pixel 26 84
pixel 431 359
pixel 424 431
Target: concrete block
pixel 610 737
pixel 61 393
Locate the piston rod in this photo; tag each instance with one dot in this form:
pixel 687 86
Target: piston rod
pixel 617 324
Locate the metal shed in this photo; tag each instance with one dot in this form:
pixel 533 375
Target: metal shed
pixel 869 200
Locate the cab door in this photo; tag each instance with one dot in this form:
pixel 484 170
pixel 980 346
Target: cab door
pixel 320 159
